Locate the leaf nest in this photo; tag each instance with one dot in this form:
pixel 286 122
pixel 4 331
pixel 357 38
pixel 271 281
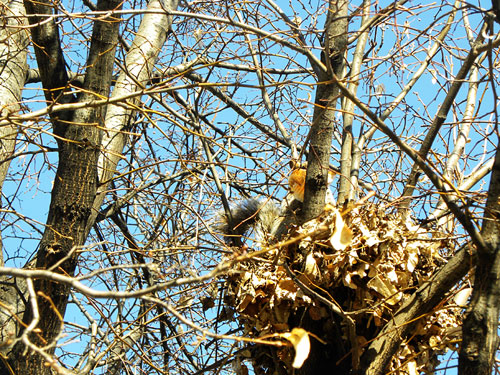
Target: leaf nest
pixel 368 262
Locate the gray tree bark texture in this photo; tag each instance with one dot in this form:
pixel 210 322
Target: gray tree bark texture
pixel 79 137
pixel 327 94
pixel 480 338
pixel 323 359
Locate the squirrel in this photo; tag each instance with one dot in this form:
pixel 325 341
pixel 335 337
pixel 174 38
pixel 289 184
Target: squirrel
pixel 269 221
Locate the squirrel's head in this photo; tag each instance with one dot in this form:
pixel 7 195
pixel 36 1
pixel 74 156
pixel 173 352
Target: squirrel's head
pixel 297 181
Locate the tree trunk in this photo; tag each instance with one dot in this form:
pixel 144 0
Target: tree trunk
pixel 318 160
pixel 323 359
pixel 480 337
pixel 75 184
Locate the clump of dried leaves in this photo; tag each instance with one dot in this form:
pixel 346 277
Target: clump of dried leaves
pixel 365 261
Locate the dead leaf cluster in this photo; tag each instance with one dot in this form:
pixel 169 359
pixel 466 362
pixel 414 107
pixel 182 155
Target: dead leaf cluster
pixel 365 262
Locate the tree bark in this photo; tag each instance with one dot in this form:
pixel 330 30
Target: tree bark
pixel 318 160
pixel 496 9
pixel 323 360
pixel 79 137
pixel 480 337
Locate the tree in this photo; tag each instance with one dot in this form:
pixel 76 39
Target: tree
pixel 128 128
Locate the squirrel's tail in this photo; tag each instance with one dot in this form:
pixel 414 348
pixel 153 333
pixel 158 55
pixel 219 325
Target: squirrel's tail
pixel 264 216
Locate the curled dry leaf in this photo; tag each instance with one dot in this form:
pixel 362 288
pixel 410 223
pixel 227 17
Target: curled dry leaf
pixel 311 269
pixel 342 235
pixel 300 341
pixel 461 297
pixel 383 286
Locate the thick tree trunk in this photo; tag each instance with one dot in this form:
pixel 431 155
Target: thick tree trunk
pixel 318 160
pixel 480 337
pixel 75 184
pixel 323 359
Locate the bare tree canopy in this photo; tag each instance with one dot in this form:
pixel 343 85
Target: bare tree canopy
pixel 167 199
